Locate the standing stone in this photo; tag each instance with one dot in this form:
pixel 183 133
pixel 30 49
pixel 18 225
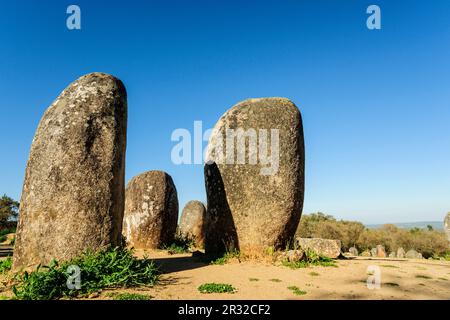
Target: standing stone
pixel 151 210
pixel 324 247
pixel 381 253
pixel 254 177
pixel 447 225
pixel 373 252
pixel 401 253
pixel 413 254
pixel 192 222
pixel 353 251
pixel 73 193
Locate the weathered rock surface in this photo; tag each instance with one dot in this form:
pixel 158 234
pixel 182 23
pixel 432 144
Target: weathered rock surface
pixel 326 247
pixel 294 255
pixel 401 253
pixel 447 225
pixel 373 252
pixel 381 253
pixel 192 221
pixel 73 193
pixel 255 182
pixel 413 254
pixel 151 210
pixel 353 251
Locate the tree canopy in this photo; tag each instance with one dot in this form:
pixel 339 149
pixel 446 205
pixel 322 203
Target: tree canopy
pixel 9 210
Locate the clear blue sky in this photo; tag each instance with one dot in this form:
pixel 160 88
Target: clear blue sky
pixel 375 104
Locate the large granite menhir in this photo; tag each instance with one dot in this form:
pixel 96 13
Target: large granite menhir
pixel 73 193
pixel 447 225
pixel 254 176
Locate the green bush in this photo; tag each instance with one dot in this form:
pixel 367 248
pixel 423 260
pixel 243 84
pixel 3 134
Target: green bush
pixel 311 259
pixel 3 238
pixel 225 258
pixel 111 268
pixel 181 244
pixel 5 265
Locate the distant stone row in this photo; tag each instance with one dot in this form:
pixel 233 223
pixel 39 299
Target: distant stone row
pixel 380 252
pixel 74 197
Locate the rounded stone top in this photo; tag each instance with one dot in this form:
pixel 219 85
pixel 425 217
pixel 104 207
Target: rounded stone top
pixel 152 174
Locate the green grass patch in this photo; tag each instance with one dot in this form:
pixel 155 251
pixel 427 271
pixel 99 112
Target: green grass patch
pixel 275 280
pixel 296 290
pixel 311 259
pixel 422 276
pixel 3 238
pixel 314 274
pixel 130 296
pixel 181 244
pixel 391 284
pixel 111 268
pixel 421 268
pixel 4 232
pixel 253 279
pixel 5 265
pixel 389 266
pixel 225 258
pixel 216 288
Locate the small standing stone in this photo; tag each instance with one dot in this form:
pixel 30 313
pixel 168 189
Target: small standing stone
pixel 401 253
pixel 373 252
pixel 381 253
pixel 353 251
pixel 413 254
pixel 447 225
pixel 151 210
pixel 192 222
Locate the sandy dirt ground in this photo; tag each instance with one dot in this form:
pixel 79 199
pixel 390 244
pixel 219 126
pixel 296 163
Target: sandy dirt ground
pixel 400 279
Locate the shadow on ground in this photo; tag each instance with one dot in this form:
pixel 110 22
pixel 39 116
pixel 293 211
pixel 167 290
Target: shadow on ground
pixel 176 264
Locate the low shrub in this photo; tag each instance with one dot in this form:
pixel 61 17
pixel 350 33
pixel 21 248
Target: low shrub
pixel 111 268
pixel 5 265
pixel 311 258
pixel 182 244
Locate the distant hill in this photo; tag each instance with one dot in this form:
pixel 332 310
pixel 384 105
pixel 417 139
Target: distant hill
pixel 437 225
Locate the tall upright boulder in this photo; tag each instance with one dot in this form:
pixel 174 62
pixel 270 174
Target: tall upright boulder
pixel 73 193
pixel 254 176
pixel 447 225
pixel 192 222
pixel 151 210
